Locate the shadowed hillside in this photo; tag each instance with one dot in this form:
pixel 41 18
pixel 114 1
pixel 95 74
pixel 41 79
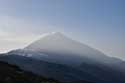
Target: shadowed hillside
pixel 12 74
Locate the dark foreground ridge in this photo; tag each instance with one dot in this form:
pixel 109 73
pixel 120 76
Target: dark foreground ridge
pixel 13 74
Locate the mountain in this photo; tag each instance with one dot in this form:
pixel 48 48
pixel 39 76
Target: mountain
pixel 58 56
pixel 56 47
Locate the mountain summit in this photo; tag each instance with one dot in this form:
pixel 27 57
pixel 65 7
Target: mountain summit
pixel 58 42
pixel 52 41
pixel 63 49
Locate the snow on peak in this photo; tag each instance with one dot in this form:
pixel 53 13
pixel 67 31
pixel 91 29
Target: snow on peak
pixel 52 34
pixel 57 33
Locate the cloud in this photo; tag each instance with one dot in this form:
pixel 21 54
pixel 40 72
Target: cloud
pixel 9 41
pixel 15 33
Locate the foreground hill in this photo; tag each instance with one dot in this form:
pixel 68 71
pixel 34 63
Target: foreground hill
pixel 50 70
pixel 13 74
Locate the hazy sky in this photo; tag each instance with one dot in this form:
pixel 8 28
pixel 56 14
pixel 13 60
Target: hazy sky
pixel 98 23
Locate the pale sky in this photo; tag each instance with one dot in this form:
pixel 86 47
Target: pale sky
pixel 97 23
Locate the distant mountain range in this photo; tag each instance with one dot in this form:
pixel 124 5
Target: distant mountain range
pixel 59 57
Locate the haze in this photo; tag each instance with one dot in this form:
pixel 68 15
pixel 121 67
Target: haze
pixel 97 23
